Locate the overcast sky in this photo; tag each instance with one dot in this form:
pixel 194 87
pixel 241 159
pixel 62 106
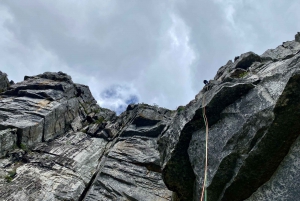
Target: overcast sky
pixel 156 52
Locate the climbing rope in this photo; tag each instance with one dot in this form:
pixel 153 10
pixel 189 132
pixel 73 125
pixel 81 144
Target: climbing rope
pixel 204 193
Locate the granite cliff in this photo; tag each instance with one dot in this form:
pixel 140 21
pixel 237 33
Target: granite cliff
pixel 56 143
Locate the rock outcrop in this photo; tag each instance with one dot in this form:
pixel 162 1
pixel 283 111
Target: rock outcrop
pixel 56 143
pixel 47 157
pixel 131 169
pixel 253 116
pixel 4 83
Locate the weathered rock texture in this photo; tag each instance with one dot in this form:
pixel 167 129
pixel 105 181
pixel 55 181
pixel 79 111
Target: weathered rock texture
pixel 4 83
pixel 46 155
pixel 253 108
pixel 56 143
pixel 131 169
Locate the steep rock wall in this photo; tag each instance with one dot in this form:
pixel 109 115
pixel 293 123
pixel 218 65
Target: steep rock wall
pixel 252 107
pixel 46 155
pixel 56 143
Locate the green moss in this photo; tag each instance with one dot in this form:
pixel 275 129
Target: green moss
pixel 100 120
pixel 243 74
pixel 8 179
pixel 180 108
pixel 11 175
pixel 24 147
pixel 97 111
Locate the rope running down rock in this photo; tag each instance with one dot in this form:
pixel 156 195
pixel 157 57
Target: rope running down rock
pixel 204 193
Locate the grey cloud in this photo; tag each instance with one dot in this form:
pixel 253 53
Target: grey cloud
pixel 156 51
pixel 108 43
pixel 103 45
pixel 223 29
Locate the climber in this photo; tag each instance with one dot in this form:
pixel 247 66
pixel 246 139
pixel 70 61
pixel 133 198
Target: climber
pixel 205 82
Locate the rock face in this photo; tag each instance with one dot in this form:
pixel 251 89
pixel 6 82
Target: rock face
pixel 131 169
pixel 43 107
pixel 8 140
pixel 297 37
pixel 56 143
pixel 46 155
pixel 4 83
pixel 253 116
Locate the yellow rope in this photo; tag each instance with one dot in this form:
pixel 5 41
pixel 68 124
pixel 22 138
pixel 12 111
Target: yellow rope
pixel 206 149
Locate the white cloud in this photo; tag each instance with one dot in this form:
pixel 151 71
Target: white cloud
pixel 117 97
pixel 157 51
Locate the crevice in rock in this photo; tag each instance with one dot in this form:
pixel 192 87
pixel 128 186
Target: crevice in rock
pixel 149 166
pixel 44 130
pixel 152 132
pixel 88 186
pixel 101 163
pixel 44 152
pixel 19 137
pixel 15 91
pixel 260 133
pixel 224 174
pixel 116 178
pixel 103 158
pixel 129 198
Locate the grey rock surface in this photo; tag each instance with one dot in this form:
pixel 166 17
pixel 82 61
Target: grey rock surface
pixel 249 140
pixel 131 169
pixel 8 140
pixel 252 116
pixel 45 106
pixel 286 50
pixel 59 170
pixel 297 37
pixel 44 154
pixel 246 60
pixel 4 83
pixel 173 144
pixel 56 143
pixel 284 183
